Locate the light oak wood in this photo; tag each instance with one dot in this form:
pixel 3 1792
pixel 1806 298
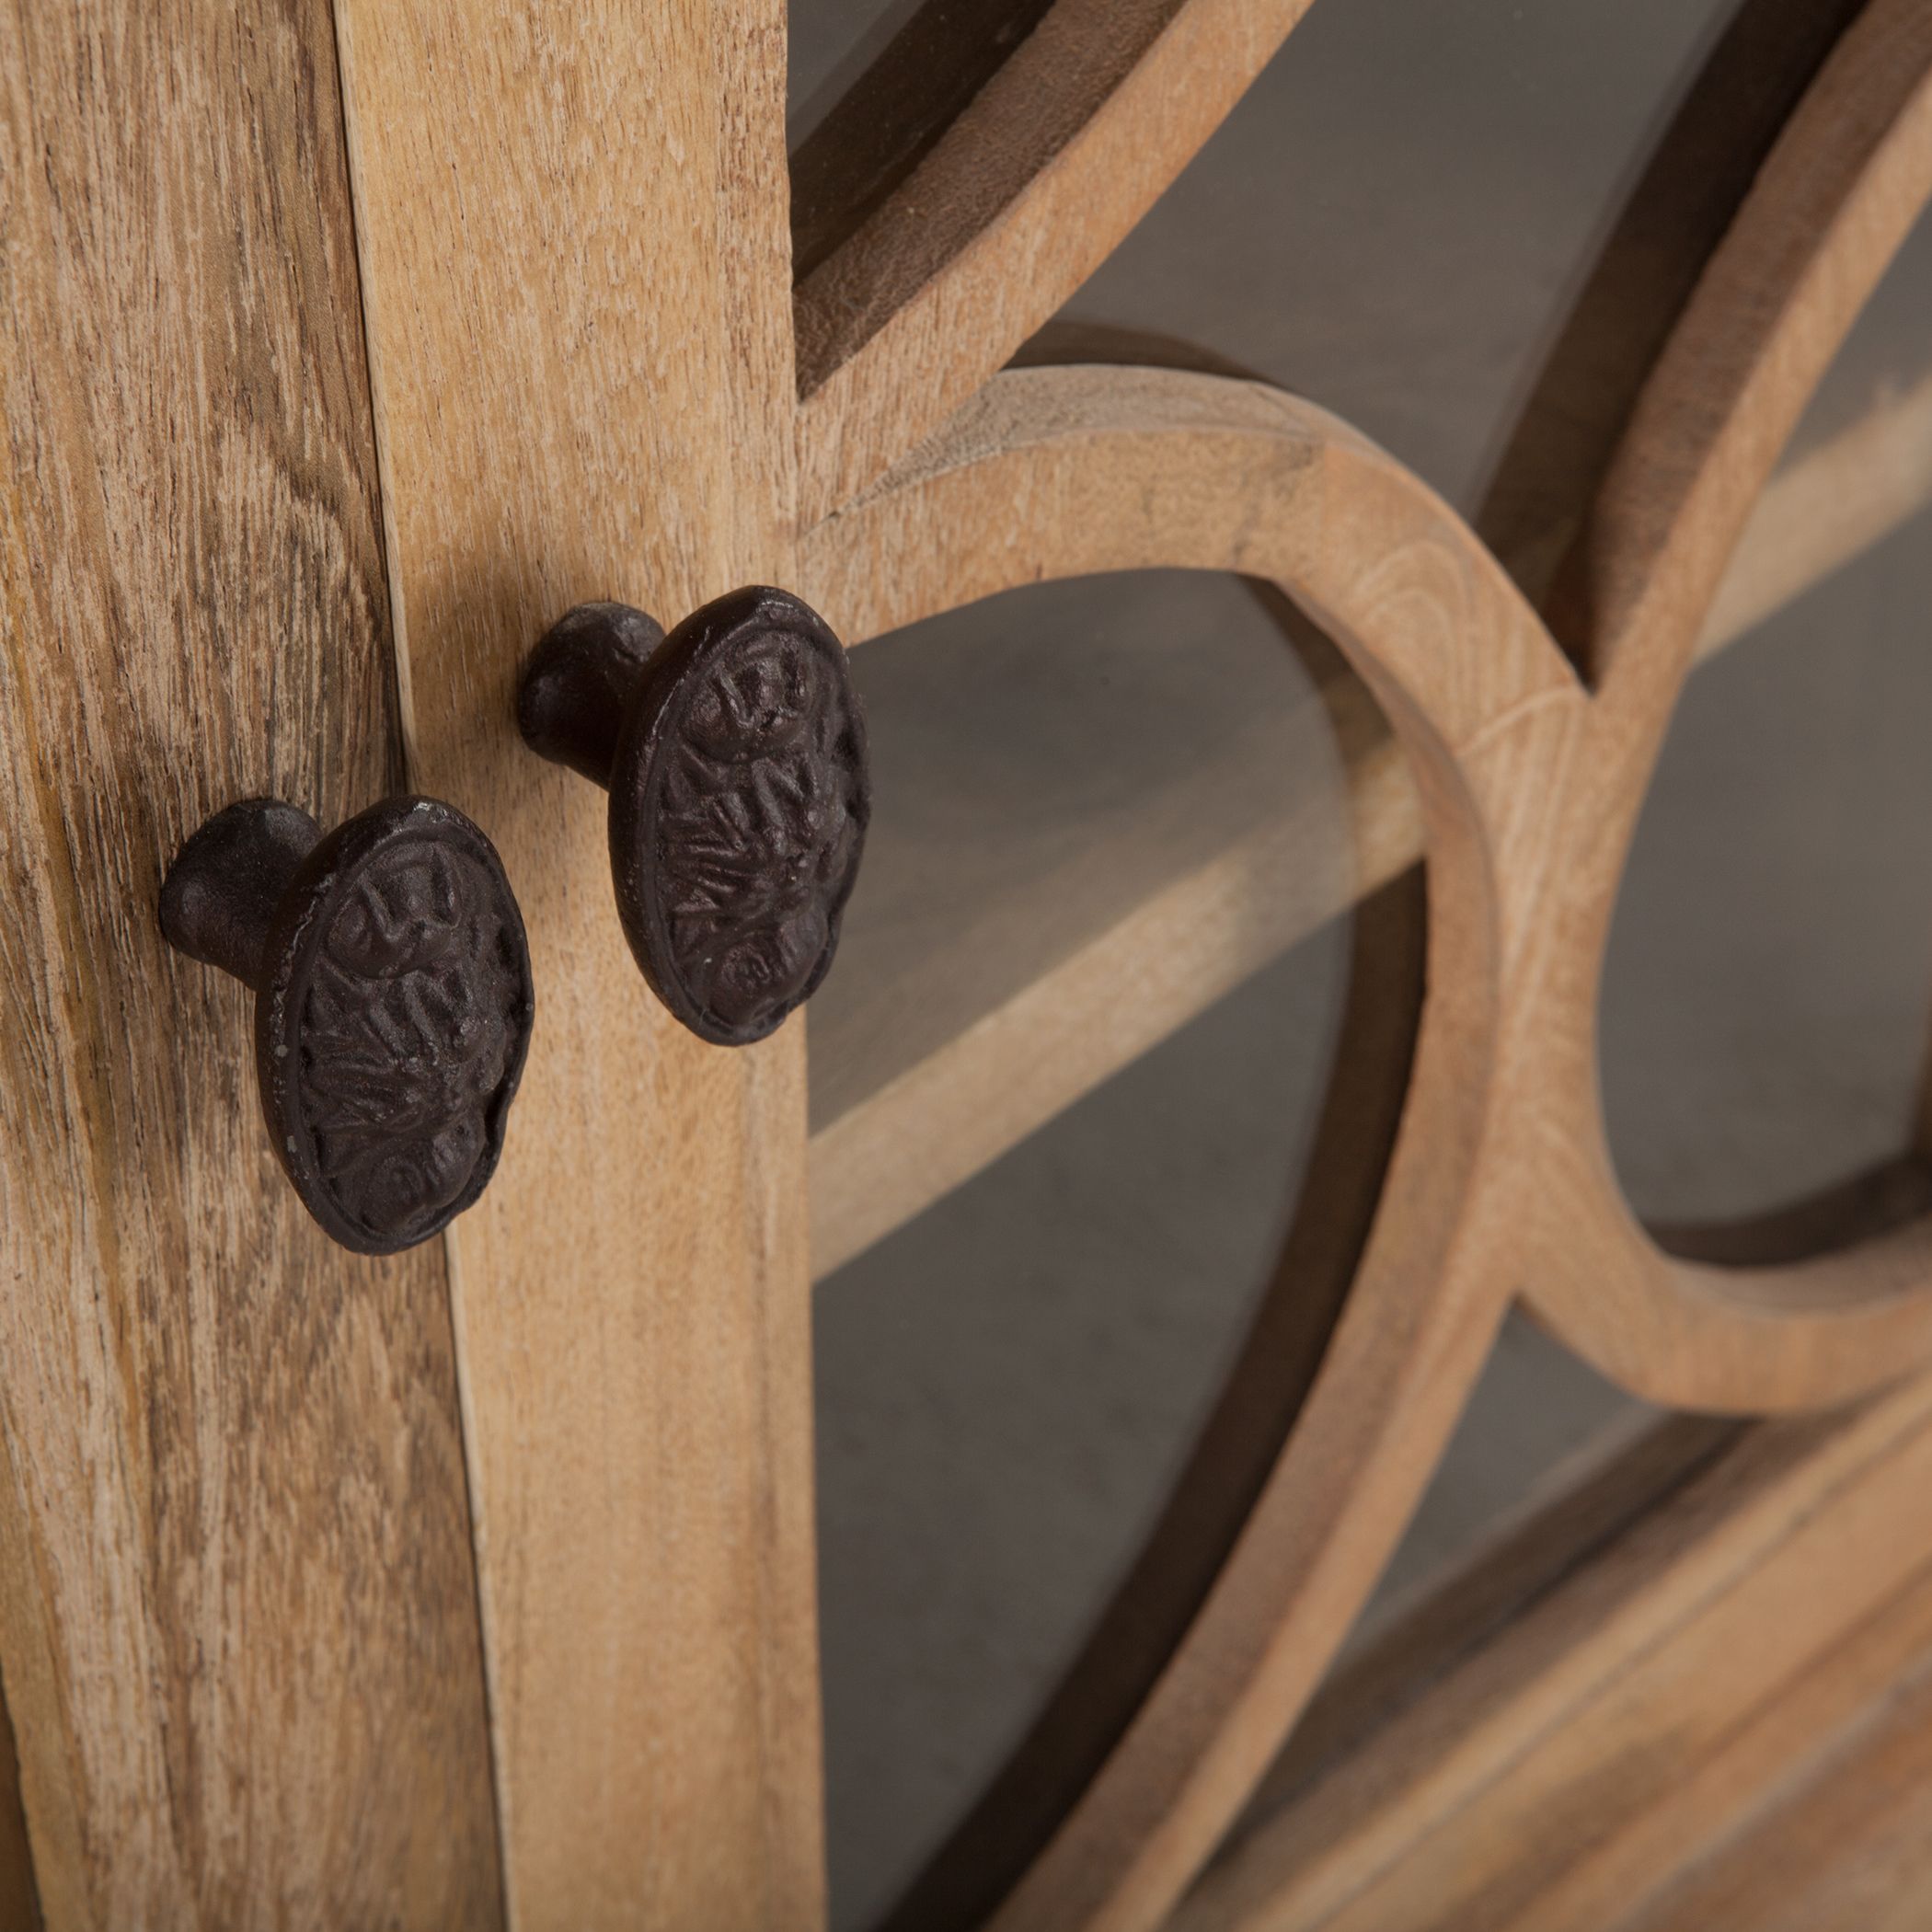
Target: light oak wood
pixel 1594 1496
pixel 1577 1761
pixel 916 1130
pixel 1695 177
pixel 237 1608
pixel 574 264
pixel 1069 144
pixel 586 357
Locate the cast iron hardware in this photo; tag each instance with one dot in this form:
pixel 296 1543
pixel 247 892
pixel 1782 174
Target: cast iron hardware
pixel 734 751
pixel 393 1000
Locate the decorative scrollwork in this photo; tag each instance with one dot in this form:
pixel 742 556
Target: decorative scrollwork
pixel 392 1033
pixel 739 812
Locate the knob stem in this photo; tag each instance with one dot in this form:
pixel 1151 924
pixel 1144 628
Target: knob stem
pixel 582 683
pixel 219 898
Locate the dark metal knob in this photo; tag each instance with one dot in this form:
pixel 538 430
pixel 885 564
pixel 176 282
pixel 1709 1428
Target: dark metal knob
pixel 734 750
pixel 393 1000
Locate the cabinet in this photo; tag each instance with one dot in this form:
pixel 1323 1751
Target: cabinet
pixel 347 345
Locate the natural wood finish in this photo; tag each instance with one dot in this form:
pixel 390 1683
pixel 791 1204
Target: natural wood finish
pixel 1582 1757
pixel 917 1130
pixel 1697 173
pixel 1022 197
pixel 237 1609
pixel 1519 772
pixel 1850 1850
pixel 580 339
pixel 889 119
pixel 572 233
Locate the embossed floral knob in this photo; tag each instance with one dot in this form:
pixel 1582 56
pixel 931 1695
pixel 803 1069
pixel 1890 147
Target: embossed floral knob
pixel 393 1000
pixel 734 750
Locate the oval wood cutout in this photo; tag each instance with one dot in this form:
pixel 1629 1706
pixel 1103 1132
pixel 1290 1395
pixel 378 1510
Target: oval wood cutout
pixel 739 805
pixel 394 1016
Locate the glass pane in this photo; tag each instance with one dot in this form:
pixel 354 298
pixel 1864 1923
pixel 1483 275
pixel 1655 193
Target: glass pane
pixel 1009 1385
pixel 1769 982
pixel 1537 1417
pixel 1395 218
pixel 832 44
pixel 1043 762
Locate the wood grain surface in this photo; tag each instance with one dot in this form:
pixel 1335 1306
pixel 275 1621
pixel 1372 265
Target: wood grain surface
pixel 574 257
pixel 1694 180
pixel 1021 198
pixel 240 1577
pixel 237 1607
pixel 1048 473
pixel 1579 1761
pixel 1842 1840
pixel 1073 470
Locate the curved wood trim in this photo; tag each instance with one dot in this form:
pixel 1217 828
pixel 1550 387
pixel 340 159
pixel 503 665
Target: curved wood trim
pixel 1554 459
pixel 1055 472
pixel 1839 193
pixel 1021 198
pixel 893 114
pixel 1059 472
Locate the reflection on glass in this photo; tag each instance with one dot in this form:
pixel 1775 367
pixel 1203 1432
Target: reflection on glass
pixel 1007 1385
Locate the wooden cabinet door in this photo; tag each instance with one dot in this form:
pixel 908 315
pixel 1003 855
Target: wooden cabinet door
pixel 349 345
pixel 238 1628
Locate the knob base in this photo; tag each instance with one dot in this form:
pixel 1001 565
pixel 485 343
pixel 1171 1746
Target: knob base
pixel 219 898
pixel 582 682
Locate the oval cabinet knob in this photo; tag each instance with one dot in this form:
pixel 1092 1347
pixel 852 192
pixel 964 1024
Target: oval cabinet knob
pixel 734 751
pixel 393 1000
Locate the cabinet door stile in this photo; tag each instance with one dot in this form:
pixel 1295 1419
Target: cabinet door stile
pixel 576 284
